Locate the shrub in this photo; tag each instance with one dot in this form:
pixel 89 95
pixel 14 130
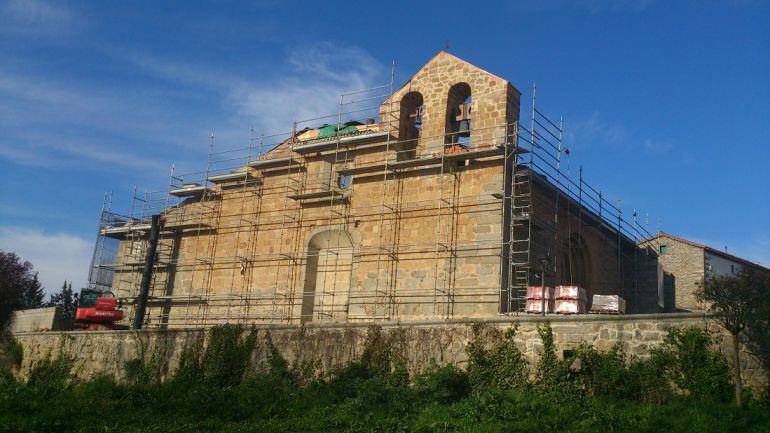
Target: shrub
pixel 15 352
pixel 441 384
pixel 224 360
pixel 141 372
pixel 51 373
pixel 551 372
pixel 277 366
pixel 189 369
pixel 227 354
pixel 647 381
pixel 694 366
pixel 501 367
pixel 377 356
pixel 602 373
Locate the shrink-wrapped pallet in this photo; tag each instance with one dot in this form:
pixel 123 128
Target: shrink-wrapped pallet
pixel 535 306
pixel 571 292
pixel 570 306
pixel 536 292
pixel 608 304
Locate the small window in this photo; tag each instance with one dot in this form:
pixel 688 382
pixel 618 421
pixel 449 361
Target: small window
pixel 732 269
pixel 663 249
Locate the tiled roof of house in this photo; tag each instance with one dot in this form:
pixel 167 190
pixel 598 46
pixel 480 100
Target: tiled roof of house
pixel 709 249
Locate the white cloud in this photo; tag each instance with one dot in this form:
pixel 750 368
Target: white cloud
pixel 312 79
pixel 56 256
pixel 595 130
pixel 658 146
pixel 312 88
pixel 92 125
pixel 35 18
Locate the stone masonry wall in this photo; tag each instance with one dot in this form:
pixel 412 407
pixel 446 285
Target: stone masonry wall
pixel 683 267
pixel 420 243
pixel 333 346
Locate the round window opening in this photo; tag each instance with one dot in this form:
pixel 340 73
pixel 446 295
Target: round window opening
pixel 344 181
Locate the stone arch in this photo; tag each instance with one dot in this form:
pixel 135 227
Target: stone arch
pixel 576 264
pixel 328 274
pixel 411 110
pixel 457 131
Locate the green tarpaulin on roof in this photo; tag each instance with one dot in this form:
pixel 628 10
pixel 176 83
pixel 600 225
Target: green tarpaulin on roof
pixel 332 130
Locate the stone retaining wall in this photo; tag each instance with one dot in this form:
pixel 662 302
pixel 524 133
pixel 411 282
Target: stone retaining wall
pixel 105 353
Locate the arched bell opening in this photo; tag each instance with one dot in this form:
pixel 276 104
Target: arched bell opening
pixel 458 115
pixel 410 125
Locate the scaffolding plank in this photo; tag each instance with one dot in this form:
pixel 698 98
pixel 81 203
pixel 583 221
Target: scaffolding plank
pixel 362 169
pixel 271 162
pixel 417 162
pixel 332 143
pixel 229 177
pixel 189 191
pixel 119 232
pixel 319 194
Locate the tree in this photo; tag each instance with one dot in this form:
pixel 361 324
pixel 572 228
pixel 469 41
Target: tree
pixel 67 300
pixel 737 302
pixel 33 295
pixel 16 280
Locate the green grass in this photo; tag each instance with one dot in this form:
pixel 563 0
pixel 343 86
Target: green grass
pixel 351 402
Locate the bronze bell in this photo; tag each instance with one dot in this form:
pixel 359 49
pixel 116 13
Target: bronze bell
pixel 464 117
pixel 465 129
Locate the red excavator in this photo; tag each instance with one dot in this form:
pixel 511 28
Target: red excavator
pixel 97 311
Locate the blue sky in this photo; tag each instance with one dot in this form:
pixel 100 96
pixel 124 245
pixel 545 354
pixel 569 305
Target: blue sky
pixel 666 104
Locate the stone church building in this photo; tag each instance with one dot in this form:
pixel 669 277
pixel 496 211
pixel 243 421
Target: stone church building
pixel 439 204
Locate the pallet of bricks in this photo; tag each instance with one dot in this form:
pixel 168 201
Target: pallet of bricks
pixel 608 304
pixel 535 300
pixel 570 300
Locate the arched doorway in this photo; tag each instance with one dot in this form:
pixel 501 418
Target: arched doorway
pixel 328 275
pixel 575 264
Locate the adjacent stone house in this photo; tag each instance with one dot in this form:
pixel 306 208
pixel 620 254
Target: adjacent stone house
pixel 686 264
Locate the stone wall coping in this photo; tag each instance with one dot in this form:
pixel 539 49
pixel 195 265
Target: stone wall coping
pixel 500 320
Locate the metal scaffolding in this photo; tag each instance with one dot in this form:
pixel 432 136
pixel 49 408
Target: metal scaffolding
pixel 210 268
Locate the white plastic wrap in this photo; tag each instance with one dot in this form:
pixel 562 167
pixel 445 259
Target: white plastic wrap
pixel 608 304
pixel 571 292
pixel 536 292
pixel 570 306
pixel 535 306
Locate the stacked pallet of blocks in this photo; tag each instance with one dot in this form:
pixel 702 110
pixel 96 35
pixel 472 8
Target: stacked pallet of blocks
pixel 534 300
pixel 570 300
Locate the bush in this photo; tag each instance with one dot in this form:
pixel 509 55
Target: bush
pixel 15 352
pixel 225 359
pixel 694 366
pixel 501 367
pixel 367 396
pixel 141 372
pixel 51 373
pixel 441 384
pixel 602 373
pixel 551 372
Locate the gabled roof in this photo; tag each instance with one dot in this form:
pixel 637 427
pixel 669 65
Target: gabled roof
pixel 443 54
pixel 436 58
pixel 708 249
